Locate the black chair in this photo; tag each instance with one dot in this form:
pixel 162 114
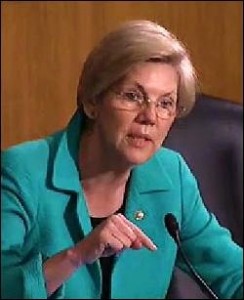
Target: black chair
pixel 211 141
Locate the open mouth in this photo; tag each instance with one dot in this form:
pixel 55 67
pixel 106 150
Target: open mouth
pixel 138 140
pixel 139 137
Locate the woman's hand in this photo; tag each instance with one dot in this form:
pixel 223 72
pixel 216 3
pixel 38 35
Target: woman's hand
pixel 112 236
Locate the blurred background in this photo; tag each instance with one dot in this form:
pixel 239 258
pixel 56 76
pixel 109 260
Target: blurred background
pixel 44 44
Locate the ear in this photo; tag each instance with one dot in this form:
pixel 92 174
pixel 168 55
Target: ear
pixel 90 108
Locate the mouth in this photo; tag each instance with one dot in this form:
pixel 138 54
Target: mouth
pixel 138 140
pixel 139 136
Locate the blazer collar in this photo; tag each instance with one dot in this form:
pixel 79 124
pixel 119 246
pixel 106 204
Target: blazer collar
pixel 150 176
pixel 65 169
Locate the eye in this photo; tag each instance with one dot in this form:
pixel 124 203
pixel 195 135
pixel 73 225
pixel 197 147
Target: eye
pixel 133 96
pixel 167 103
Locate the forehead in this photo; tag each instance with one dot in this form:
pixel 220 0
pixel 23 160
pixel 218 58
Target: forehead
pixel 152 75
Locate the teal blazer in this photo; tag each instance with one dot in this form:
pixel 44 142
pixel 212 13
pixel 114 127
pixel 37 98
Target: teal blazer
pixel 44 212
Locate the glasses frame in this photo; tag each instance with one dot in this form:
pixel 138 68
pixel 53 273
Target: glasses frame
pixel 145 101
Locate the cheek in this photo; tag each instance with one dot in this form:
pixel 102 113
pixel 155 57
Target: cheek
pixel 116 124
pixel 164 129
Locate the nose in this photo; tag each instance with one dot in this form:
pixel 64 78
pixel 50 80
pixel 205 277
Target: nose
pixel 147 114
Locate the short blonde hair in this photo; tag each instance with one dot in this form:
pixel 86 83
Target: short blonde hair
pixel 134 42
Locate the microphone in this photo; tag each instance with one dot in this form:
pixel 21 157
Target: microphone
pixel 173 229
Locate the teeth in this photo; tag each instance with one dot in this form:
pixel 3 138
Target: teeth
pixel 136 137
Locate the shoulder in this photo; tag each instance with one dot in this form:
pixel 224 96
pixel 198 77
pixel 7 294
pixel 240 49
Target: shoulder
pixel 30 155
pixel 175 164
pixel 165 154
pixel 170 158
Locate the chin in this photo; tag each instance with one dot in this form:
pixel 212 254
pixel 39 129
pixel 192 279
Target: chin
pixel 137 157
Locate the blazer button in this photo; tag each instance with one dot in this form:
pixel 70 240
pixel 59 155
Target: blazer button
pixel 139 215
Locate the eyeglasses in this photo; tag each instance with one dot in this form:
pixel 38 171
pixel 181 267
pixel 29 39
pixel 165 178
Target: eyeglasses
pixel 135 99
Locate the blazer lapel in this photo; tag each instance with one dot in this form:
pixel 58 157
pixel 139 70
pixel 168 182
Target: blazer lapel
pixel 149 199
pixel 66 177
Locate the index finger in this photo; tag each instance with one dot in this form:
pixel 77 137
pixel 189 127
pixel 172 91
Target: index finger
pixel 144 239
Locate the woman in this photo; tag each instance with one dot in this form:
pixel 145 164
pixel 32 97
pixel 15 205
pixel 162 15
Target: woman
pixel 83 210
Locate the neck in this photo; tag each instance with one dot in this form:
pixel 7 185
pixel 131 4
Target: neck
pixel 103 177
pixel 98 167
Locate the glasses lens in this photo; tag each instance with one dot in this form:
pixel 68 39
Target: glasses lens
pixel 133 100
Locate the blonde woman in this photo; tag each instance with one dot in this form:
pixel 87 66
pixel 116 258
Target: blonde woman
pixel 83 210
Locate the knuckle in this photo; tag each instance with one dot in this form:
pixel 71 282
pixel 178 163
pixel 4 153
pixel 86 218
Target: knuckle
pixel 109 222
pixel 128 244
pixel 134 236
pixel 113 218
pixel 120 247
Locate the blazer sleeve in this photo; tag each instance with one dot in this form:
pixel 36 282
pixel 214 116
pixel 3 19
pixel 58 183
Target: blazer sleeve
pixel 21 269
pixel 207 244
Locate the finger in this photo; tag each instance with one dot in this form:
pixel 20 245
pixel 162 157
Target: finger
pixel 144 239
pixel 123 227
pixel 116 232
pixel 113 246
pixel 136 245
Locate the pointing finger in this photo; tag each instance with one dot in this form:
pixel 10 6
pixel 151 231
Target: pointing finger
pixel 144 239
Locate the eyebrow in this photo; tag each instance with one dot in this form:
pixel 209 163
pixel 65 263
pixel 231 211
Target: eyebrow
pixel 142 89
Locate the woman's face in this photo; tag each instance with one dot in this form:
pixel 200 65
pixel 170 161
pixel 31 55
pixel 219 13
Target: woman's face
pixel 134 135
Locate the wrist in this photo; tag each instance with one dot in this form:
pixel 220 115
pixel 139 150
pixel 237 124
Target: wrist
pixel 74 257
